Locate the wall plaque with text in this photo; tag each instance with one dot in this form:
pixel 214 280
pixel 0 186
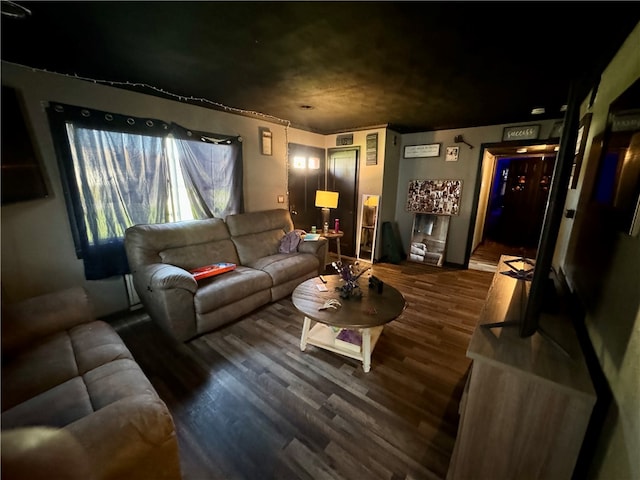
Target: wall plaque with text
pixel 523 132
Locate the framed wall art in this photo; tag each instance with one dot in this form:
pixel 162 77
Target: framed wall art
pixel 372 149
pixel 422 151
pixel 452 154
pixel 438 197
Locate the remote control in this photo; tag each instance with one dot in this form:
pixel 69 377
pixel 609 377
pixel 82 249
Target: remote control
pixel 322 279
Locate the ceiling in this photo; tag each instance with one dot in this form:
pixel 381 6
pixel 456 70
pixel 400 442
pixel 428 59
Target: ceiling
pixel 331 67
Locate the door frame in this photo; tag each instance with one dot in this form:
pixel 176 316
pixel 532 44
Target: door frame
pixel 489 153
pixel 356 188
pixel 307 209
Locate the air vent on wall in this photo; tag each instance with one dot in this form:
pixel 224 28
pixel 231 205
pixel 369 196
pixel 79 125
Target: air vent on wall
pixel 342 140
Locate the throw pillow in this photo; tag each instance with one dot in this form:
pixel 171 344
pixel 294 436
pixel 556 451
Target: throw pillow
pixel 289 243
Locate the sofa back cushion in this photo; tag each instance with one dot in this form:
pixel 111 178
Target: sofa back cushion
pixel 188 244
pixel 258 234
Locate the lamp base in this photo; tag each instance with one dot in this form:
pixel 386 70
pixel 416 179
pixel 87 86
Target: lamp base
pixel 325 219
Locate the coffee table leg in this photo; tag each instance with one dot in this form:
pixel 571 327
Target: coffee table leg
pixel 305 333
pixel 366 349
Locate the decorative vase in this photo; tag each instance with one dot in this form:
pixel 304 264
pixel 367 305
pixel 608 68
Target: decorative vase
pixel 349 275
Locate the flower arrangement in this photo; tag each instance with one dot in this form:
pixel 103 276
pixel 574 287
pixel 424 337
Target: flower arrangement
pixel 349 275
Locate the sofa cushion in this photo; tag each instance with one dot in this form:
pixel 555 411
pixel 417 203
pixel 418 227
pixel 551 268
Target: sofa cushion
pixel 199 255
pixel 59 406
pixel 255 222
pixel 257 245
pixel 283 267
pixel 144 243
pixel 258 234
pixel 95 344
pixel 216 292
pixel 80 396
pixel 58 358
pixel 37 370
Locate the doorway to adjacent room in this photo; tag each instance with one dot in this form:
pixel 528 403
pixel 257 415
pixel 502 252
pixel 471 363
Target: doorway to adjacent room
pixel 515 182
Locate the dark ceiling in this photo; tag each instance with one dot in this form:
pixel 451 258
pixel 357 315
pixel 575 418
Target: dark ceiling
pixel 330 67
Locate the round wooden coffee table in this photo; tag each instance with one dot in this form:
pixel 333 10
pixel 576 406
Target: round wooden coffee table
pixel 366 315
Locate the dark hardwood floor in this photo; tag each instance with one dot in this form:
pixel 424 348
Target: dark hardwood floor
pixel 248 404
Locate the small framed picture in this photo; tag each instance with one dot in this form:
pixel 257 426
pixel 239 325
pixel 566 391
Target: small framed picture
pixel 452 154
pixel 265 141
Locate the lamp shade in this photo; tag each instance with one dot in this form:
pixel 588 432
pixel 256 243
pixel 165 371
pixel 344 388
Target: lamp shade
pixel 326 199
pixel 371 201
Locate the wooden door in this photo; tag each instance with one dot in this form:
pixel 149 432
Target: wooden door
pixel 524 201
pixel 342 177
pixel 306 175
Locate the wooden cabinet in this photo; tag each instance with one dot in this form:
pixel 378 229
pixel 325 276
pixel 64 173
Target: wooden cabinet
pixel 526 405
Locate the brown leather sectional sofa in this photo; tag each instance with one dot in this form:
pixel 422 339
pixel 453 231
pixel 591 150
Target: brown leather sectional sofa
pixel 75 404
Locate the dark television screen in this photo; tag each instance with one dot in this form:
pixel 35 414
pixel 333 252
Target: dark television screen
pixel 22 177
pixel 542 281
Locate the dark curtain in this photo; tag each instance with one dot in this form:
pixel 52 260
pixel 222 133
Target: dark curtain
pixel 115 173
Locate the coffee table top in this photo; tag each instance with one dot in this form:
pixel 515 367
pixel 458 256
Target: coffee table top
pixel 371 310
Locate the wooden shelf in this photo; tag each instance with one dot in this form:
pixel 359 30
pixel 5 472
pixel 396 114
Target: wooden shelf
pixel 323 336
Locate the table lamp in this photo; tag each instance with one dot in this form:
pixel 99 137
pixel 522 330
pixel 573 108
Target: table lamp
pixel 326 200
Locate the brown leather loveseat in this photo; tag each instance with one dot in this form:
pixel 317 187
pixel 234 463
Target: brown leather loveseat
pixel 161 255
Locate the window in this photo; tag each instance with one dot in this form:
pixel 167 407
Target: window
pixel 119 171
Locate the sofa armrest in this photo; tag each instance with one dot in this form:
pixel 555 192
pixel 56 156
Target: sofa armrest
pixel 162 276
pixel 26 321
pixel 318 247
pixel 131 439
pixel 38 453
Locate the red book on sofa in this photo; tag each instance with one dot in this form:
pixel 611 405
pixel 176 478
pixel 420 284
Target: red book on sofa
pixel 211 270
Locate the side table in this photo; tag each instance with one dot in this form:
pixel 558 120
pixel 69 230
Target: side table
pixel 333 234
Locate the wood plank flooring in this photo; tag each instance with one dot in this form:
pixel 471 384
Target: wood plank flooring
pixel 487 255
pixel 248 404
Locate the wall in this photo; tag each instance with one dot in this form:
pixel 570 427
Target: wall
pixel 38 254
pixel 614 324
pixel 465 169
pixel 388 201
pixel 370 177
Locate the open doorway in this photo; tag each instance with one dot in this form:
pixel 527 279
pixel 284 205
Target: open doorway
pixel 512 201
